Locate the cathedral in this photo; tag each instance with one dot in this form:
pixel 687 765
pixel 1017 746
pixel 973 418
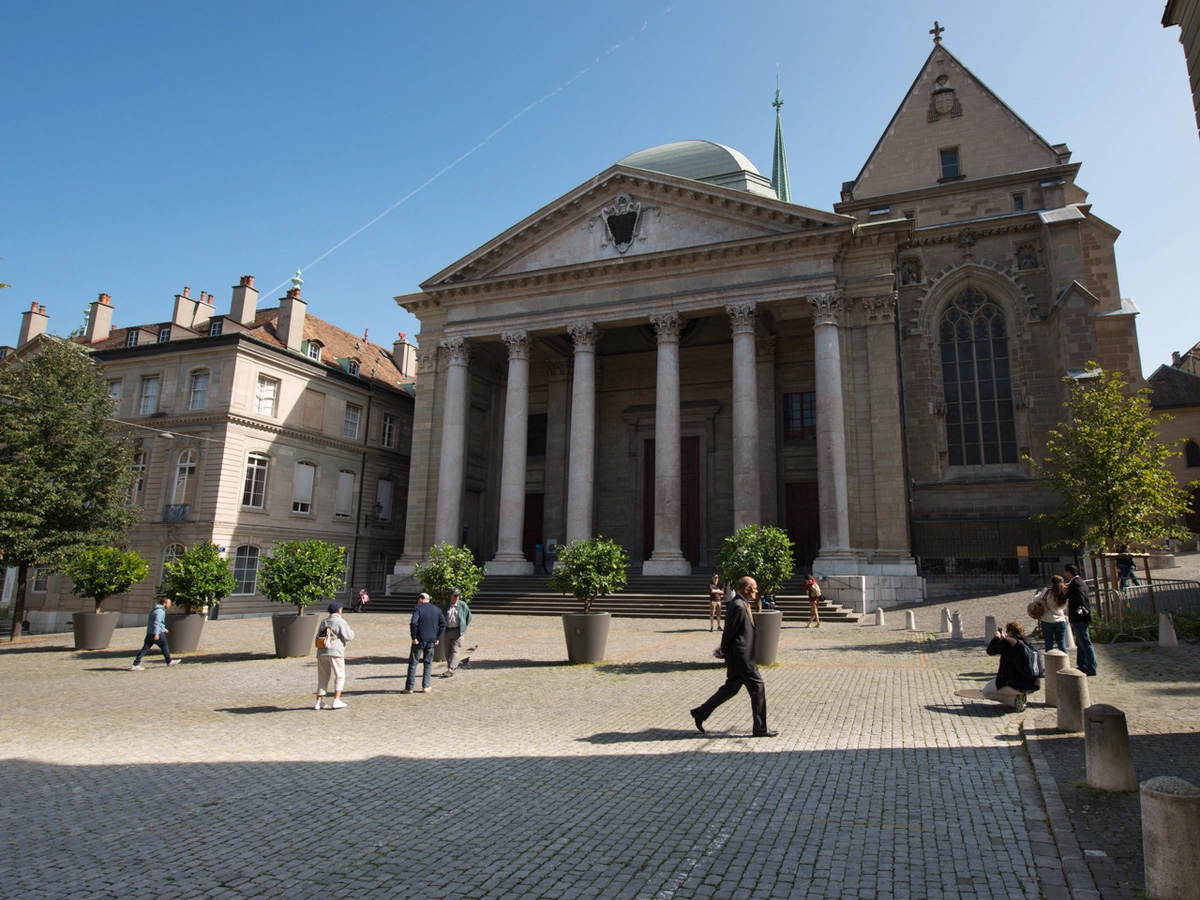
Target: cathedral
pixel 674 349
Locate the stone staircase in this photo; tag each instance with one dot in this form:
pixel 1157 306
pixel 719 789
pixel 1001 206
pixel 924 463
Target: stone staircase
pixel 645 596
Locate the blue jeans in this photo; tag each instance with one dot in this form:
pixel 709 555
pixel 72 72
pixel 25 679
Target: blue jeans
pixel 1056 636
pixel 161 641
pixel 1085 660
pixel 1127 575
pixel 424 649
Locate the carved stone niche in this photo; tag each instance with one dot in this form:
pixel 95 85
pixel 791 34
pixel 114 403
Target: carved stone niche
pixel 943 101
pixel 910 271
pixel 1028 256
pixel 622 223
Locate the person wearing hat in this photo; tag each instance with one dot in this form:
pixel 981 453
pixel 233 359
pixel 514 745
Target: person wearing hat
pixel 332 637
pixel 458 617
pixel 427 627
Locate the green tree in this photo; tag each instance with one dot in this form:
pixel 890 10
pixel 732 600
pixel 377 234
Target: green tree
pixel 449 567
pixel 1107 465
pixel 590 568
pixel 198 578
pixel 762 553
pixel 302 572
pixel 99 572
pixel 63 475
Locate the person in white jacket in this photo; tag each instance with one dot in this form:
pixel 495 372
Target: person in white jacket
pixel 333 634
pixel 1054 617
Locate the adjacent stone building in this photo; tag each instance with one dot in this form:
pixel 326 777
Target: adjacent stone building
pixel 251 427
pixel 670 351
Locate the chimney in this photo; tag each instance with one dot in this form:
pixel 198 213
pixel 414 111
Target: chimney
pixel 201 312
pixel 99 325
pixel 245 301
pixel 404 355
pixel 33 323
pixel 290 326
pixel 1175 358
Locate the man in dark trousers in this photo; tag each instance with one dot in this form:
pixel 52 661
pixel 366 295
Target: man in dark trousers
pixel 1079 614
pixel 737 648
pixel 427 627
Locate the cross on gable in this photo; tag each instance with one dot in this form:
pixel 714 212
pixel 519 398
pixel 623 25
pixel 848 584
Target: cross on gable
pixel 936 31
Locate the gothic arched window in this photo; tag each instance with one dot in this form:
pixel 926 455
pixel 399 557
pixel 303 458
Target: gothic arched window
pixel 1191 454
pixel 976 382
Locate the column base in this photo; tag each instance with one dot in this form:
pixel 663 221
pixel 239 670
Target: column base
pixel 508 565
pixel 671 566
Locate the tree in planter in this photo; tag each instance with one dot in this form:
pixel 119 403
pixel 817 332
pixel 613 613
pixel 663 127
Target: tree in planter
pixel 302 572
pixel 762 553
pixel 590 568
pixel 63 476
pixel 198 578
pixel 1106 463
pixel 449 567
pixel 100 572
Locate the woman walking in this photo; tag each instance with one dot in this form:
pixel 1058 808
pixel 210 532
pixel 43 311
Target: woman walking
pixel 814 598
pixel 1054 614
pixel 716 596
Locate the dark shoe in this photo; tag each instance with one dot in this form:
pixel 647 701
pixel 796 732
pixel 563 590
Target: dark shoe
pixel 769 732
pixel 698 720
pixel 1019 703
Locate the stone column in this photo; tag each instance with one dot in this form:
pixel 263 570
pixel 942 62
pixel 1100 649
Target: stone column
pixel 667 558
pixel 747 508
pixel 831 427
pixel 509 559
pixel 456 405
pixel 558 404
pixel 420 513
pixel 582 466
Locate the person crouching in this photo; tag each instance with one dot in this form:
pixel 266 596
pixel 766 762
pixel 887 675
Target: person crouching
pixel 1016 676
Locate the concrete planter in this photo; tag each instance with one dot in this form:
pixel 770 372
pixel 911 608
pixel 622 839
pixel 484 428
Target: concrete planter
pixel 184 631
pixel 295 635
pixel 767 625
pixel 94 631
pixel 587 636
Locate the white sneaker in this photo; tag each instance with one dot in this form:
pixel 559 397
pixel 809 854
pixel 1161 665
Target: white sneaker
pixel 174 662
pixel 428 690
pixel 137 668
pixel 319 704
pixel 337 704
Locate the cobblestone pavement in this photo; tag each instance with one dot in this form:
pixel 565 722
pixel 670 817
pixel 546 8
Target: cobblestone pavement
pixel 525 777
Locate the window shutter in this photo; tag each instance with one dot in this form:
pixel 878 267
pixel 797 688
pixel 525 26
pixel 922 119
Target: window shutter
pixel 345 494
pixel 302 483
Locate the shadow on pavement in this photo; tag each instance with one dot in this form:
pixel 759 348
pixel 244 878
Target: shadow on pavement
pixel 254 710
pixel 652 735
pixel 658 667
pixel 42 648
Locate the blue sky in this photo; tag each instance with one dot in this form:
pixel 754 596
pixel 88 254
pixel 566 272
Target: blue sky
pixel 150 146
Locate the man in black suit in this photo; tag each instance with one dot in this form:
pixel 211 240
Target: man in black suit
pixel 737 648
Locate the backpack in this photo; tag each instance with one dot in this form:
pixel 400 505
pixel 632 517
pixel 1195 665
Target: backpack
pixel 1027 662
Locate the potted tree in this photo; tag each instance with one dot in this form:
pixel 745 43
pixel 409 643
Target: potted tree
pixel 97 573
pixel 764 554
pixel 448 567
pixel 195 581
pixel 300 573
pixel 588 569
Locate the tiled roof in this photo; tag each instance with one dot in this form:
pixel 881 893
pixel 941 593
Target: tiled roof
pixel 1173 388
pixel 375 362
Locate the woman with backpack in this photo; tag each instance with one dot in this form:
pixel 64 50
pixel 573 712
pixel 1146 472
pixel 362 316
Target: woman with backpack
pixel 1054 614
pixel 1019 667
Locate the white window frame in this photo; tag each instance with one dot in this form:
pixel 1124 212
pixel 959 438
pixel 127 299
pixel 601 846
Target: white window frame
pixel 266 396
pixel 185 478
pixel 387 436
pixel 351 423
pixel 171 552
pixel 352 367
pixel 133 496
pixel 214 328
pixel 39 580
pixel 131 338
pixel 243 556
pixel 304 477
pixel 383 499
pixel 198 396
pixel 254 490
pixel 314 351
pixel 164 334
pixel 148 404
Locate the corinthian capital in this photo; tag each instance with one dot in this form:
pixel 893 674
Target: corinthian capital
pixel 585 336
pixel 880 310
pixel 742 316
pixel 519 344
pixel 427 358
pixel 827 307
pixel 667 325
pixel 458 351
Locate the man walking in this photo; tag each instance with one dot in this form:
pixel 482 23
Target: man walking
pixel 458 617
pixel 427 627
pixel 1079 614
pixel 737 648
pixel 156 633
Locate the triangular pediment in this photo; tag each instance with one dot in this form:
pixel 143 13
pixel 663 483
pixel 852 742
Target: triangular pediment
pixel 946 108
pixel 627 213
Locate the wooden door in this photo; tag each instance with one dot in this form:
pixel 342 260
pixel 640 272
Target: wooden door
pixel 535 505
pixel 803 522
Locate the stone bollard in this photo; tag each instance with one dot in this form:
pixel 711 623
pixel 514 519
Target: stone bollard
pixel 956 631
pixel 910 621
pixel 879 616
pixel 989 629
pixel 945 620
pixel 1171 838
pixel 1054 661
pixel 1072 696
pixel 1166 631
pixel 1106 746
pixel 1069 640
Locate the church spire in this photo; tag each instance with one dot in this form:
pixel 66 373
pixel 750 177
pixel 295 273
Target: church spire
pixel 779 172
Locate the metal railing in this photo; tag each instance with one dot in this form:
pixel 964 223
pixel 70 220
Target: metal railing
pixel 176 512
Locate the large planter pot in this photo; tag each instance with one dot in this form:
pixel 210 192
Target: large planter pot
pixel 184 631
pixel 295 635
pixel 439 650
pixel 766 635
pixel 94 631
pixel 587 636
